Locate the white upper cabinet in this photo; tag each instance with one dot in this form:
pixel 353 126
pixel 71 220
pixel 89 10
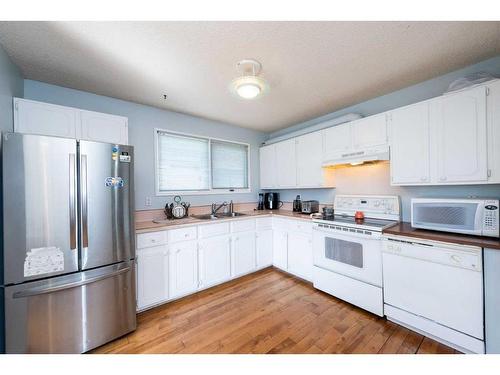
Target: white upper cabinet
pixel 33 117
pixel 215 260
pixel 493 122
pixel 369 132
pixel 286 164
pixel 460 147
pixel 336 141
pixel 267 155
pixel 183 268
pixel 410 145
pixel 309 159
pixel 102 127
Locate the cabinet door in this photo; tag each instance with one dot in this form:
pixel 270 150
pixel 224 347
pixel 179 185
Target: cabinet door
pixel 280 249
pixel 309 160
pixel 286 165
pixel 264 248
pixel 410 145
pixel 369 132
pixel 243 253
pixel 336 140
pixel 215 261
pixel 183 268
pixel 33 117
pixel 300 260
pixel 102 127
pixel 267 167
pixel 152 276
pixel 460 148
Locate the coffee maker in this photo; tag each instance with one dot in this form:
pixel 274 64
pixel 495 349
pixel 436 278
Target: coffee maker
pixel 272 201
pixel 260 204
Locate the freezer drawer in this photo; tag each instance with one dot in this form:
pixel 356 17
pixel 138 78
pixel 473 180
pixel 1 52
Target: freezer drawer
pixel 72 313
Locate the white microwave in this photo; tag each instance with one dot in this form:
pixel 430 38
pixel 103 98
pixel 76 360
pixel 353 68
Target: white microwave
pixel 469 216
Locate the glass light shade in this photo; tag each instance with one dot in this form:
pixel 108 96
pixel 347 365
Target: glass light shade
pixel 248 87
pixel 248 90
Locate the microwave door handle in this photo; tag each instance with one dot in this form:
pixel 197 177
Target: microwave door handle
pixel 479 219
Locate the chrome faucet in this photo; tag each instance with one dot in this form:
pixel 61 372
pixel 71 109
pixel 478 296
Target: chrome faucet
pixel 215 208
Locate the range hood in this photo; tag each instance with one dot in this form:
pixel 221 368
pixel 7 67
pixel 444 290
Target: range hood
pixel 356 157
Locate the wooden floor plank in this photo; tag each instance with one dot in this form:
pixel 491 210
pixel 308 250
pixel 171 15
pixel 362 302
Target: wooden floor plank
pixel 267 312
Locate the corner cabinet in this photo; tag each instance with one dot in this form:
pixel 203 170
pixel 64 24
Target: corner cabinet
pixel 33 117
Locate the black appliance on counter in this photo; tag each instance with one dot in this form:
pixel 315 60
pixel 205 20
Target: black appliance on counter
pixel 297 204
pixel 272 201
pixel 260 205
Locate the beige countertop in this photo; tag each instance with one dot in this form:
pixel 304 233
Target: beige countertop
pixel 150 226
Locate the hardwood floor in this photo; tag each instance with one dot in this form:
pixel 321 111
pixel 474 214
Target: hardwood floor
pixel 267 312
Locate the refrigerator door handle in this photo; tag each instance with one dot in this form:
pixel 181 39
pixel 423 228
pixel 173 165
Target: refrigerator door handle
pixel 72 202
pixel 85 229
pixel 38 291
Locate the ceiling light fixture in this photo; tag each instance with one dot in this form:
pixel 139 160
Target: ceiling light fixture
pixel 249 85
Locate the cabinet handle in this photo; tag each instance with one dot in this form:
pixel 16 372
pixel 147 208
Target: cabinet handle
pixel 442 178
pixel 423 178
pixel 177 251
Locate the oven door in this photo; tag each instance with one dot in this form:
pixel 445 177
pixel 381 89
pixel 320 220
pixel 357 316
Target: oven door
pixel 358 256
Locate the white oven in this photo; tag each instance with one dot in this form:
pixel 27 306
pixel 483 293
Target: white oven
pixel 349 252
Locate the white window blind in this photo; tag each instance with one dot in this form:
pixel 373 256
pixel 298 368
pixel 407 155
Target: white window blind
pixel 183 163
pixel 229 165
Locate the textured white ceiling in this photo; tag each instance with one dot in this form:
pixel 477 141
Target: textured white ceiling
pixel 313 67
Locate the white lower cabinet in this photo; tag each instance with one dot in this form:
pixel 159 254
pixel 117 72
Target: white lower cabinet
pixel 214 261
pixel 280 249
pixel 152 276
pixel 178 262
pixel 300 260
pixel 243 253
pixel 183 268
pixel 264 248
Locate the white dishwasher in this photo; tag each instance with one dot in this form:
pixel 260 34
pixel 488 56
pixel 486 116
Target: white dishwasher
pixel 435 288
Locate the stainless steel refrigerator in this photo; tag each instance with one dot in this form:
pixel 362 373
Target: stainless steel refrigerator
pixel 68 243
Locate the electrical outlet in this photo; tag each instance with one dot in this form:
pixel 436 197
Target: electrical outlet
pixel 148 201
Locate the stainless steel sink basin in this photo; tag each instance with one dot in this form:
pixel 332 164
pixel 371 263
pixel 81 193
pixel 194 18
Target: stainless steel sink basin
pixel 234 214
pixel 217 216
pixel 205 217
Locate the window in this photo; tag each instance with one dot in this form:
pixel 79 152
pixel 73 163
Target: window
pixel 197 164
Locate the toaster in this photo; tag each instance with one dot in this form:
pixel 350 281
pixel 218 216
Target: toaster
pixel 310 207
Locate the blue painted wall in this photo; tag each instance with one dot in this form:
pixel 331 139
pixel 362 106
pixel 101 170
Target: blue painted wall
pixel 361 181
pixel 142 122
pixel 11 84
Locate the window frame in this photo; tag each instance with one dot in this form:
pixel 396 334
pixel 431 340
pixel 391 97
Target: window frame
pixel 210 190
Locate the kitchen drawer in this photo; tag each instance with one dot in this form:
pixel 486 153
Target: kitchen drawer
pixel 300 226
pixel 243 225
pixel 211 230
pixel 151 239
pixel 182 234
pixel 281 224
pixel 264 223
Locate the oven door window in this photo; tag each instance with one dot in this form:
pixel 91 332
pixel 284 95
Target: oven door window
pixel 346 252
